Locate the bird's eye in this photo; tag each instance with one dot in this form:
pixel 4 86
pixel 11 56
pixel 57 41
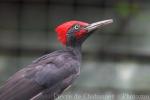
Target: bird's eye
pixel 76 27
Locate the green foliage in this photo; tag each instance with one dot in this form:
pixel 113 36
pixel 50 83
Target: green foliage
pixel 126 8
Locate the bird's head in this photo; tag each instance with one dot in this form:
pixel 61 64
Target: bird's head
pixel 73 33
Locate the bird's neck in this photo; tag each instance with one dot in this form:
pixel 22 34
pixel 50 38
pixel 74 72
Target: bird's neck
pixel 73 43
pixel 76 49
pixel 76 46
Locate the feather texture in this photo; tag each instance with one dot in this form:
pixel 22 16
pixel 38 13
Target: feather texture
pixel 47 76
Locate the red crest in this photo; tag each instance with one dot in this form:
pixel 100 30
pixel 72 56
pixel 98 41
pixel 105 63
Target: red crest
pixel 63 29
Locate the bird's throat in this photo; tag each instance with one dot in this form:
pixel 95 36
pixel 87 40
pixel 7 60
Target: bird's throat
pixel 76 50
pixel 75 46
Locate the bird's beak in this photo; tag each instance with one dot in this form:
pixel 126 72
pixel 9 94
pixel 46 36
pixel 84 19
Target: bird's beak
pixel 98 24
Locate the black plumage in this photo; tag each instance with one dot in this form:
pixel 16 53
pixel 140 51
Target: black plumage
pixel 48 76
pixel 45 78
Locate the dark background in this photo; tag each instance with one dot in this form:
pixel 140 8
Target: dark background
pixel 116 59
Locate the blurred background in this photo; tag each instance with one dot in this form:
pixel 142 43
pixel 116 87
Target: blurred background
pixel 116 59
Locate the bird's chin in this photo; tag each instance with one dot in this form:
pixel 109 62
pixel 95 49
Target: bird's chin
pixel 85 36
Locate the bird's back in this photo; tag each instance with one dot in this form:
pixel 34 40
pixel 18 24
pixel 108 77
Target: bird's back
pixel 45 78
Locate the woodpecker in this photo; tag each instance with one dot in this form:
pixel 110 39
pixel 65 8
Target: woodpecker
pixel 48 76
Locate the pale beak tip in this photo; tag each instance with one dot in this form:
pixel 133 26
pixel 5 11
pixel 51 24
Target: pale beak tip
pixel 109 21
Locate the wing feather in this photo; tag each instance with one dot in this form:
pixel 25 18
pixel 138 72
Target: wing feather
pixel 23 89
pixel 42 76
